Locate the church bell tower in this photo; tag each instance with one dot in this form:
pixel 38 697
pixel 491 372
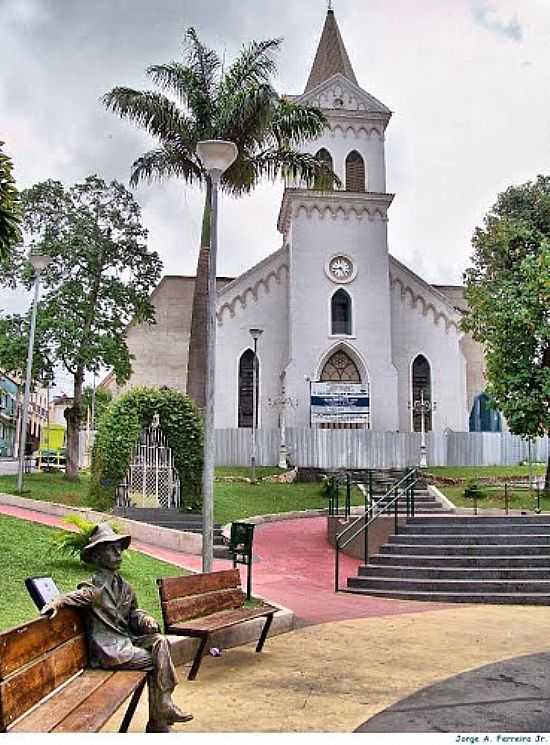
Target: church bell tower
pixel 339 297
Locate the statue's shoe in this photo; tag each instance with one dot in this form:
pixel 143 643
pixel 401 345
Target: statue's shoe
pixel 171 713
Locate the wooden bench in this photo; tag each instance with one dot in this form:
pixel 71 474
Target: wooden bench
pixel 47 686
pixel 199 604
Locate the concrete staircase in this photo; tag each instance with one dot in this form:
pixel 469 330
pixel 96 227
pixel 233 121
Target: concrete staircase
pixel 189 522
pixel 461 559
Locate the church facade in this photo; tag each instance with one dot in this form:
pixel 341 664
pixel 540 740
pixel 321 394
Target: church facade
pixel 346 332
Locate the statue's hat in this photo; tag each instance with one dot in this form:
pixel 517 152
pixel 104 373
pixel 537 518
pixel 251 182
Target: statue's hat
pixel 103 533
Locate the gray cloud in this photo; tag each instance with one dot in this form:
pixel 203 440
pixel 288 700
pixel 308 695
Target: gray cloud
pixel 488 16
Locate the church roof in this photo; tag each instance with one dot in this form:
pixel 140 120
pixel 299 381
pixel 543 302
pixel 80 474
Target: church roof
pixel 331 57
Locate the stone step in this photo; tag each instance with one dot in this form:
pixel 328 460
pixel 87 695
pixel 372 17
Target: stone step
pixel 472 539
pixel 465 562
pixel 487 528
pixel 451 586
pixel 542 519
pixel 500 598
pixel 465 550
pixel 398 571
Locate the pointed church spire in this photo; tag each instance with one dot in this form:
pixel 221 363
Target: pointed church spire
pixel 331 56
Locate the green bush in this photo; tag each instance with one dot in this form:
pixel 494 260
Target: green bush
pixel 474 490
pixel 70 543
pixel 118 433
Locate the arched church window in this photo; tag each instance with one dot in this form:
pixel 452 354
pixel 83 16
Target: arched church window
pixel 340 313
pixel 340 367
pixel 355 172
pixel 246 377
pixel 421 383
pixel 323 184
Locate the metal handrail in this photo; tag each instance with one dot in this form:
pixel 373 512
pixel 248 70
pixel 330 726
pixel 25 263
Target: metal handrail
pixel 405 486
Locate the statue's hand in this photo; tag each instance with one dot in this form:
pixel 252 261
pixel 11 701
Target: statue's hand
pixel 149 625
pixel 51 608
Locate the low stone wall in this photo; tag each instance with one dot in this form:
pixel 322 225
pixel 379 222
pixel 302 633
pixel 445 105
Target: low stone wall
pixel 379 532
pixel 177 540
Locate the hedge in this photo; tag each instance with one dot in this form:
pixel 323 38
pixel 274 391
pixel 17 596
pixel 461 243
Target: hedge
pixel 118 432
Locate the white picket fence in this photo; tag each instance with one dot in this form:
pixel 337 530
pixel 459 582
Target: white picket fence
pixel 355 448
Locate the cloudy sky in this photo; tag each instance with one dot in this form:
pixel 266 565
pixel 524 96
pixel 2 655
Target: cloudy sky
pixel 468 81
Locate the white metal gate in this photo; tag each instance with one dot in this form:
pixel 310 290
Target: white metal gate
pixel 151 479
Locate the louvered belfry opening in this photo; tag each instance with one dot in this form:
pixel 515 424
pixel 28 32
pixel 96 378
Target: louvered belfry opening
pixel 246 386
pixel 323 183
pixel 421 382
pixel 341 313
pixel 355 172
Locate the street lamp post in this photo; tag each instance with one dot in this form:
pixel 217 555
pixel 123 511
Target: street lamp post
pixel 255 334
pixel 280 403
pixel 423 407
pixel 39 263
pixel 216 157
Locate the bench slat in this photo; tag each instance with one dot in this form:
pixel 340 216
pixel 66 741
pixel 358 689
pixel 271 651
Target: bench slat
pixel 23 644
pixel 49 714
pixel 100 706
pixel 28 686
pixel 181 609
pixel 193 584
pixel 220 620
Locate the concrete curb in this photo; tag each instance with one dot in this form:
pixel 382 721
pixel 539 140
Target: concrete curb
pixel 177 540
pixel 273 518
pixel 434 492
pixel 184 647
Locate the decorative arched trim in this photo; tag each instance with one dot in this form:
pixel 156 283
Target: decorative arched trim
pixel 251 293
pixel 420 302
pixel 352 353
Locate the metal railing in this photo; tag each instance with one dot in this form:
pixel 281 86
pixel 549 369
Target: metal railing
pixel 374 509
pixel 339 504
pixel 509 488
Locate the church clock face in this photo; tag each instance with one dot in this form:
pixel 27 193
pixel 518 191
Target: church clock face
pixel 341 269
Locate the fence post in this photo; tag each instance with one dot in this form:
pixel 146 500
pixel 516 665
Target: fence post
pixel 348 494
pixel 396 497
pixel 505 497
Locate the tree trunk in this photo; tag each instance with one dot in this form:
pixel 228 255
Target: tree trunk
pixel 73 416
pixel 196 365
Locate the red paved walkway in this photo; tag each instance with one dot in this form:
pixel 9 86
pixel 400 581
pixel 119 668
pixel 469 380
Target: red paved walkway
pixel 293 566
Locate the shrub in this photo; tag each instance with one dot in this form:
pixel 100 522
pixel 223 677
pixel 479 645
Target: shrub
pixel 71 543
pixel 119 430
pixel 474 490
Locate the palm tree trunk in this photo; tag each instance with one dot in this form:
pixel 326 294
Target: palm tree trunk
pixel 196 365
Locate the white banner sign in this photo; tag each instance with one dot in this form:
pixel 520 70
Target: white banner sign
pixel 345 403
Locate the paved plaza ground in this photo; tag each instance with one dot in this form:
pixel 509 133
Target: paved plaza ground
pixel 353 657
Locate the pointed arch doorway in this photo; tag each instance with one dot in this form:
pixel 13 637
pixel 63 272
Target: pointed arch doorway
pixel 341 384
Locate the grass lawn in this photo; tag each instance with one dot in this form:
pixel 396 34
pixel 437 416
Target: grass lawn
pixel 517 500
pixel 233 500
pixel 50 487
pixel 246 471
pixel 484 472
pixel 26 552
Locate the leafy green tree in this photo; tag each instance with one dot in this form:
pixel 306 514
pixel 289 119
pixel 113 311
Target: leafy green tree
pixel 99 279
pixel 10 232
pixel 210 101
pixel 508 291
pixel 98 401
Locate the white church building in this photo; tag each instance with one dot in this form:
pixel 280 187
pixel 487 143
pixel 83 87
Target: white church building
pixel 349 334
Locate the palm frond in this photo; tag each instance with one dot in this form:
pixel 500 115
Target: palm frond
pixel 254 65
pixel 204 63
pixel 246 117
pixel 153 111
pixel 294 165
pixel 164 162
pixel 294 123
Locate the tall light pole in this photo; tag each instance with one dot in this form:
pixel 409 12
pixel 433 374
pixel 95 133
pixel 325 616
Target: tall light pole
pixel 216 157
pixel 39 263
pixel 423 407
pixel 280 403
pixel 255 334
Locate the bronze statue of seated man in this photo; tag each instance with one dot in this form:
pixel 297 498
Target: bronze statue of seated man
pixel 120 635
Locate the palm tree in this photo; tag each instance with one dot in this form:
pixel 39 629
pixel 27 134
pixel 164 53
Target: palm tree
pixel 10 214
pixel 208 102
